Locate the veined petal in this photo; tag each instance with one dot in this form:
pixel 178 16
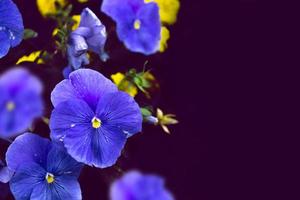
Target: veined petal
pixel 69 116
pixel 11 19
pixel 120 111
pixel 60 163
pixel 64 188
pixel 4 43
pixel 27 177
pixel 90 85
pixel 25 149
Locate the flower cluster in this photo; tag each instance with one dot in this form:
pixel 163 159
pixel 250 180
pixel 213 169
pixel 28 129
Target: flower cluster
pixel 92 117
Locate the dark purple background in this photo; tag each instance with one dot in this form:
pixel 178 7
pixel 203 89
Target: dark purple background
pixel 186 74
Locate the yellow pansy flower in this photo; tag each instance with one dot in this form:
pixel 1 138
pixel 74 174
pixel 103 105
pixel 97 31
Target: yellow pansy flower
pixel 168 10
pixel 124 85
pixel 47 7
pixel 31 58
pixel 165 35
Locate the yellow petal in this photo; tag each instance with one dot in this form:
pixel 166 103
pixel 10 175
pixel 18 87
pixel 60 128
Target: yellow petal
pixel 159 113
pixel 31 58
pixel 82 1
pixel 76 19
pixel 168 10
pixel 165 35
pixel 47 7
pixel 124 85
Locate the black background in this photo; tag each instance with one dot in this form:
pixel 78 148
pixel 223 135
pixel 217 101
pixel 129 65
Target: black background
pixel 196 76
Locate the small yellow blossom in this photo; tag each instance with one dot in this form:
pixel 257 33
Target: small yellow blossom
pixel 82 1
pixel 31 58
pixel 47 7
pixel 165 35
pixel 164 120
pixel 168 10
pixel 124 85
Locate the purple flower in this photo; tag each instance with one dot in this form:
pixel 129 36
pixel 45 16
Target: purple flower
pixel 136 186
pixel 43 169
pixel 11 26
pixel 20 101
pixel 93 118
pixel 138 23
pixel 90 35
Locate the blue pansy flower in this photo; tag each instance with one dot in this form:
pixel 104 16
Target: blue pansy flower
pixel 93 118
pixel 11 26
pixel 5 173
pixel 20 101
pixel 138 23
pixel 90 35
pixel 43 170
pixel 137 186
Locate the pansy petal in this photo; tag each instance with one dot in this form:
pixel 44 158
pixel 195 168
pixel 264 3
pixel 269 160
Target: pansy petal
pixel 120 110
pixel 91 85
pixel 10 18
pixel 27 177
pixel 69 116
pixel 100 148
pixel 63 91
pixel 27 148
pixel 4 43
pixel 89 19
pixel 120 9
pixel 5 174
pixel 63 188
pixel 97 41
pixel 59 162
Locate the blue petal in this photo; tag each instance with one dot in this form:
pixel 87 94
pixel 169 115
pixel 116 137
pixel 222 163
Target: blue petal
pixel 25 149
pixel 4 43
pixel 63 91
pixel 85 84
pixel 120 111
pixel 27 177
pixel 64 188
pixel 11 19
pixel 90 85
pixel 89 19
pixel 69 117
pixel 59 162
pixel 121 9
pixel 76 49
pixel 100 148
pixel 5 174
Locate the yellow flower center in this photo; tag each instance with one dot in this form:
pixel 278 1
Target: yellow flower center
pixel 49 178
pixel 96 123
pixel 137 24
pixel 10 106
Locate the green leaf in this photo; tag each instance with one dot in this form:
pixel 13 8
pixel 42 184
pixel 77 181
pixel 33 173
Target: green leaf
pixel 29 33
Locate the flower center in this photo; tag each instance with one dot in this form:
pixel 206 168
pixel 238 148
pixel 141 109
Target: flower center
pixel 137 24
pixel 96 123
pixel 10 106
pixel 49 178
